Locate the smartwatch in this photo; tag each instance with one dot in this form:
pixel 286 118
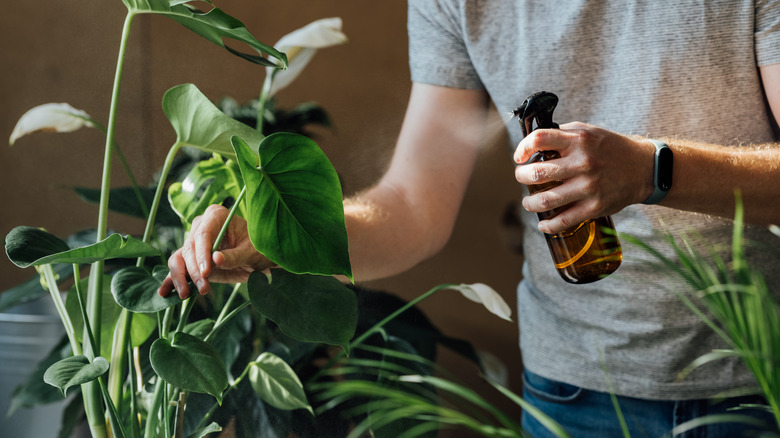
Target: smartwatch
pixel 662 174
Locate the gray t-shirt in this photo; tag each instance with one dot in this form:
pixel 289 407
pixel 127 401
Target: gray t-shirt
pixel 686 69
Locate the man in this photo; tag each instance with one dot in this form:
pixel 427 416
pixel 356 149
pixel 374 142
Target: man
pixel 701 77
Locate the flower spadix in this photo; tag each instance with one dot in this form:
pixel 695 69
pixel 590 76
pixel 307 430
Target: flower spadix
pixel 301 45
pixel 51 117
pixel 488 297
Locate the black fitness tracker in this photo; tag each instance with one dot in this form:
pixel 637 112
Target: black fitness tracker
pixel 662 174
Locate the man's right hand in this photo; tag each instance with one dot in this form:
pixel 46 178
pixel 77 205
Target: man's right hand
pixel 232 263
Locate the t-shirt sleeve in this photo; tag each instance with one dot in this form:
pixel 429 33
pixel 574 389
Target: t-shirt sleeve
pixel 767 36
pixel 438 54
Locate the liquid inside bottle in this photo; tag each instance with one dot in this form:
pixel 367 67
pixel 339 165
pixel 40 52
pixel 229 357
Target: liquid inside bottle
pixel 583 254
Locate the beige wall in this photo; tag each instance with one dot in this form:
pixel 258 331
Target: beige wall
pixel 55 51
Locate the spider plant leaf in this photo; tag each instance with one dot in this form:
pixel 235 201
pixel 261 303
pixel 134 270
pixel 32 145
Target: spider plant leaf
pixel 215 26
pixel 30 246
pixel 294 205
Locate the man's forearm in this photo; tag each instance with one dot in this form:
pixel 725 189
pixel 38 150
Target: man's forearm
pixel 706 178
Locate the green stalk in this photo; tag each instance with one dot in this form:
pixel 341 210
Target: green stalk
pixel 265 94
pixel 51 282
pixel 125 165
pixel 122 332
pixel 91 391
pixel 232 213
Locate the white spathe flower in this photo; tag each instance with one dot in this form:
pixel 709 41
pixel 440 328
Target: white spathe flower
pixel 51 117
pixel 301 45
pixel 485 295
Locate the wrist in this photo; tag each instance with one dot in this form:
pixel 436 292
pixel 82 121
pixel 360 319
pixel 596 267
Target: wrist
pixel 663 164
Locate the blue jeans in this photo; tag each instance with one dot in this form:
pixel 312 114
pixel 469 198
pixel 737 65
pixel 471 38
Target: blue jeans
pixel 585 414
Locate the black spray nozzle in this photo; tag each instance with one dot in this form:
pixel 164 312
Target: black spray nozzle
pixel 537 107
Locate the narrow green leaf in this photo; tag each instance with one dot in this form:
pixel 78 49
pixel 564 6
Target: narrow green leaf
pixel 306 307
pixel 215 26
pixel 190 364
pixel 135 289
pixel 276 383
pixel 74 371
pixel 294 205
pixel 29 246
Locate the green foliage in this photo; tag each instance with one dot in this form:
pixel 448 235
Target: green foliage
pixel 28 246
pixel 214 26
pixel 293 182
pixel 73 371
pixel 189 363
pixel 734 300
pixel 307 308
pixel 276 383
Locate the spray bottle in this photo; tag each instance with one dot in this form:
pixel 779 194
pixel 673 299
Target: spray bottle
pixel 589 251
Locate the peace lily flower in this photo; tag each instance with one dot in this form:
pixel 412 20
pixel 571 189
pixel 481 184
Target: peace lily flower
pixel 300 47
pixel 488 297
pixel 50 117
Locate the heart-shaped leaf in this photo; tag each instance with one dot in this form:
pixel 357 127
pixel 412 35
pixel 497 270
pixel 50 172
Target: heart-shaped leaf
pixel 200 124
pixel 135 289
pixel 308 308
pixel 209 182
pixel 294 205
pixel 29 246
pixel 74 371
pixel 190 364
pixel 276 383
pixel 214 25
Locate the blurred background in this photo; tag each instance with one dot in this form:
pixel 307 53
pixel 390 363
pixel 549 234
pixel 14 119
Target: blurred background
pixel 56 51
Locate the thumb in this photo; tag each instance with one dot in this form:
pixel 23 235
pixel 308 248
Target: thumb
pixel 228 259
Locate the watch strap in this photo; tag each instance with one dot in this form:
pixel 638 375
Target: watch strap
pixel 662 172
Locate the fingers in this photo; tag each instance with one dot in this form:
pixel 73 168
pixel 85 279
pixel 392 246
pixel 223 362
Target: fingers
pixel 549 139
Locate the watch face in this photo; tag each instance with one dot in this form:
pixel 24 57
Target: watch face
pixel 665 168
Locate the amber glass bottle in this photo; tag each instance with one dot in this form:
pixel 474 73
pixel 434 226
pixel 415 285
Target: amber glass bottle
pixel 590 251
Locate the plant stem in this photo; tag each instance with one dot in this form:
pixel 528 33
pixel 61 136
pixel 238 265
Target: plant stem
pixel 232 213
pixel 227 318
pixel 91 391
pixel 265 94
pixel 158 196
pixel 51 282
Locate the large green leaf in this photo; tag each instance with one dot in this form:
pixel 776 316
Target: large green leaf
pixel 308 308
pixel 209 182
pixel 295 210
pixel 190 364
pixel 215 26
pixel 74 371
pixel 29 246
pixel 135 289
pixel 276 383
pixel 200 124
